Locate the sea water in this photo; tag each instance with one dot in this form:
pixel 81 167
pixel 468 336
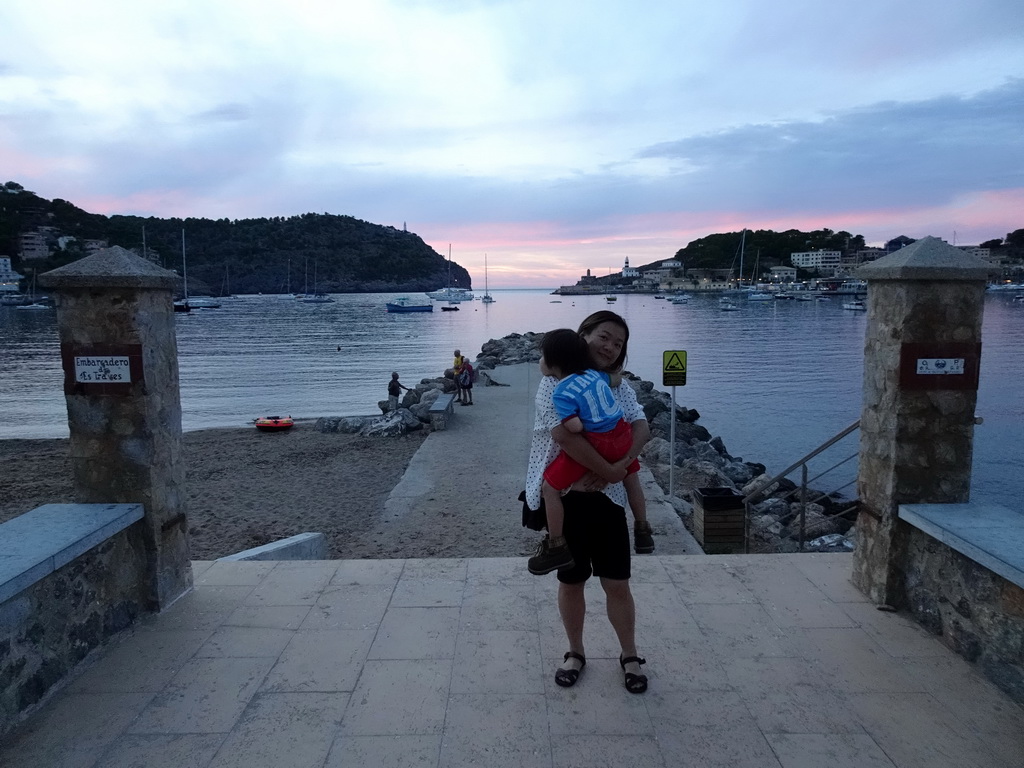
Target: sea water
pixel 774 380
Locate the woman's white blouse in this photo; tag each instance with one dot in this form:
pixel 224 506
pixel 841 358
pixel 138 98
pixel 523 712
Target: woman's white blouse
pixel 543 447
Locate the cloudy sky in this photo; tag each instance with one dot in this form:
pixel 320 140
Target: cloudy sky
pixel 554 136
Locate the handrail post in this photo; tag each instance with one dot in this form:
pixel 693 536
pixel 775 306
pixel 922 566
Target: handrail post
pixel 803 504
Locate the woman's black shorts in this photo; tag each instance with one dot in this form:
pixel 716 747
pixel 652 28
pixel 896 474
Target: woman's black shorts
pixel 598 538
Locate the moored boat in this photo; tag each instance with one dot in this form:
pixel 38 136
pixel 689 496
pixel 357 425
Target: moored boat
pixel 274 423
pixel 405 304
pixel 856 305
pixel 451 294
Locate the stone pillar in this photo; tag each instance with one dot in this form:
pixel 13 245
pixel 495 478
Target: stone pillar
pixel 925 307
pixel 116 323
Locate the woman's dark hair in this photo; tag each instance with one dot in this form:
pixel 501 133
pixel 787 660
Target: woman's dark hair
pixel 566 350
pixel 605 316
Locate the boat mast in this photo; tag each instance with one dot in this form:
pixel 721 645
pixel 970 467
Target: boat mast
pixel 184 266
pixel 743 245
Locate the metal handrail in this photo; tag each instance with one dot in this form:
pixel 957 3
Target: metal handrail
pixel 802 489
pixel 821 448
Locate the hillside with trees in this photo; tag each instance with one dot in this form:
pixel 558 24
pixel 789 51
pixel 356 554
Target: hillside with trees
pixel 269 255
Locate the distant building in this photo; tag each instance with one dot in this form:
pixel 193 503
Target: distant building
pixel 783 274
pixel 825 262
pixel 865 255
pixel 707 280
pixel 974 250
pixel 33 246
pixel 628 271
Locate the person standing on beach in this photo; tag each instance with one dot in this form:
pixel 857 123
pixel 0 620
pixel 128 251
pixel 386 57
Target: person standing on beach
pixel 595 529
pixel 394 390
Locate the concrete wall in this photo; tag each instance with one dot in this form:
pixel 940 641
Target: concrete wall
pixel 46 630
pixel 978 613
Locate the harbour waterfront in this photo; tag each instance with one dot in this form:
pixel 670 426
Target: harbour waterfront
pixel 773 379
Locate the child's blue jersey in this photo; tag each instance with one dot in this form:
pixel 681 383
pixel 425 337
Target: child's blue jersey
pixel 588 396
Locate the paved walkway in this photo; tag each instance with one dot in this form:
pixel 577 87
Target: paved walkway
pixel 761 660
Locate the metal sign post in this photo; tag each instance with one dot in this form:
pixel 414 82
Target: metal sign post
pixel 673 373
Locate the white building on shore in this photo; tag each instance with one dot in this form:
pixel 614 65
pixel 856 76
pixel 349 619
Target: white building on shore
pixel 826 262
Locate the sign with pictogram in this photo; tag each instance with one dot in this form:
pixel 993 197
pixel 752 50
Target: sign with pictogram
pixel 673 368
pixel 940 365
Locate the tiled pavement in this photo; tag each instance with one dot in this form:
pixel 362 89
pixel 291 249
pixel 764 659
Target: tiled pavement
pixel 753 661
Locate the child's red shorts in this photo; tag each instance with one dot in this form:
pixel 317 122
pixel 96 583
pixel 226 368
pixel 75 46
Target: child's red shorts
pixel 563 471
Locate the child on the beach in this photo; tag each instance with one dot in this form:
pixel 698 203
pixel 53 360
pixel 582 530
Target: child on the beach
pixel 394 390
pixel 584 401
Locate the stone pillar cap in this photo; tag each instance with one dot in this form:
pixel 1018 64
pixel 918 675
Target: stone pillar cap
pixel 927 259
pixel 113 267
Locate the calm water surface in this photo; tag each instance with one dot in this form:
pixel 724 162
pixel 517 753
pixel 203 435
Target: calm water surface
pixel 774 379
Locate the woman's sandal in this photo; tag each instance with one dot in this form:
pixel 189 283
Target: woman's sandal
pixel 634 683
pixel 567 677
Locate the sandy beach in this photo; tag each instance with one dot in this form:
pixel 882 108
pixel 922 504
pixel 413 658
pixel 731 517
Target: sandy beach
pixel 247 488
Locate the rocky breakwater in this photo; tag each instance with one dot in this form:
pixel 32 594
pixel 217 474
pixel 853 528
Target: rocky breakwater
pixel 701 460
pixel 411 414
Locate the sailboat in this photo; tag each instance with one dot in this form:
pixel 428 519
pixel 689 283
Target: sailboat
pixel 183 305
pixel 449 294
pixel 756 293
pixel 315 297
pixel 35 304
pixel 487 298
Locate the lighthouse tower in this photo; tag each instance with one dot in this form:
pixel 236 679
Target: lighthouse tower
pixel 628 271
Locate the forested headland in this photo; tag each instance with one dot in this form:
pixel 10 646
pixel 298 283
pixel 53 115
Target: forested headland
pixel 340 254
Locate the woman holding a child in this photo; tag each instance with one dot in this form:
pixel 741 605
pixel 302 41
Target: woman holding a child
pixel 595 527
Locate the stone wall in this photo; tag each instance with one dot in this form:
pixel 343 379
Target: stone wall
pixel 48 629
pixel 978 613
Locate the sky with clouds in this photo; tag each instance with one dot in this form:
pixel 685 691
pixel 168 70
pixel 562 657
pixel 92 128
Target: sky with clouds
pixel 554 137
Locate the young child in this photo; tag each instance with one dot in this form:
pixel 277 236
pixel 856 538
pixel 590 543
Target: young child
pixel 394 390
pixel 585 402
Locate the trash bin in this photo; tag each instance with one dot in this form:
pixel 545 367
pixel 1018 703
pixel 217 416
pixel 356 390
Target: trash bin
pixel 719 520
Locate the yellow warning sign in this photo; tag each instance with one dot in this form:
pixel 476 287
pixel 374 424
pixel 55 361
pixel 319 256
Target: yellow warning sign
pixel 673 368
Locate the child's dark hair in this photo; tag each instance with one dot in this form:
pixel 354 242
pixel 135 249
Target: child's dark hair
pixel 566 350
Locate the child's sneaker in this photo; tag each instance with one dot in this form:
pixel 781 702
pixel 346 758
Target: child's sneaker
pixel 643 537
pixel 549 558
